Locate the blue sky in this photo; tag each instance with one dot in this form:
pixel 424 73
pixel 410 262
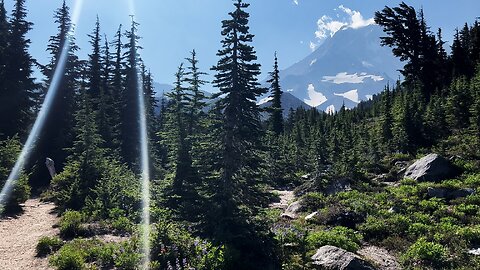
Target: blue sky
pixel 171 28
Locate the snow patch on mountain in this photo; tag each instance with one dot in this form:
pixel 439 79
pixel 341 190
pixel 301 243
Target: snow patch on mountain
pixel 264 100
pixel 369 97
pixel 330 109
pixel 350 95
pixel 313 62
pixel 314 98
pixel 344 77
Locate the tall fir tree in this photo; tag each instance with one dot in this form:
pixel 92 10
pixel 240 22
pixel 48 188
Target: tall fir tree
pixel 196 96
pixel 20 92
pixel 4 37
pixel 130 124
pixel 238 195
pixel 276 118
pixel 95 66
pixel 57 132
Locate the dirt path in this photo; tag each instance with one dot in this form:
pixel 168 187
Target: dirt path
pixel 19 236
pixel 286 197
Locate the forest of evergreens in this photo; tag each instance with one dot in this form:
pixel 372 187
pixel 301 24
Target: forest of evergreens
pixel 215 160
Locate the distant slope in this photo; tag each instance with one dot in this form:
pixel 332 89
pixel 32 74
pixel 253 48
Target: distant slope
pixel 347 68
pixel 289 101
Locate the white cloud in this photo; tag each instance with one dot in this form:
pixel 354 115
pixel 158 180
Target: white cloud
pixel 314 98
pixel 356 19
pixel 295 2
pixel 313 62
pixel 313 46
pixel 351 95
pixel 344 77
pixel 369 97
pixel 327 27
pixel 289 90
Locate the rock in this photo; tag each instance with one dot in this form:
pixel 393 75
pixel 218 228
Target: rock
pixel 474 251
pixel 437 192
pixel 460 193
pixel 292 210
pixel 338 185
pixel 450 194
pixel 430 168
pixel 380 257
pixel 334 258
pixel 311 215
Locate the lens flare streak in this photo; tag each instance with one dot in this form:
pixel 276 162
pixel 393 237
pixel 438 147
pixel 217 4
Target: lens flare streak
pixel 145 163
pixel 33 137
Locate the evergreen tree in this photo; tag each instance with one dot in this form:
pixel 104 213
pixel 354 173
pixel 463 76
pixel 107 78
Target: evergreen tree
pixel 459 57
pixel 387 120
pixel 108 112
pixel 57 132
pixel 95 66
pixel 20 87
pixel 238 194
pixel 404 32
pixel 4 37
pixel 276 118
pixel 196 96
pixel 130 111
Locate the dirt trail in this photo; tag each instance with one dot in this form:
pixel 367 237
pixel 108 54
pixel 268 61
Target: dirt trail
pixel 19 236
pixel 286 197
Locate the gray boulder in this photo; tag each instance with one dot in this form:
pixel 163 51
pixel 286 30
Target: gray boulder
pixel 292 210
pixel 430 168
pixel 334 258
pixel 450 194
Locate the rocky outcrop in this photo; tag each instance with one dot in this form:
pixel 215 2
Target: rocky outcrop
pixel 380 257
pixel 334 258
pixel 292 210
pixel 449 194
pixel 430 168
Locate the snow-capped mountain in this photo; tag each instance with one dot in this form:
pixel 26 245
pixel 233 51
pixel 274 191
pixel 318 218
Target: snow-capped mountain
pixel 346 68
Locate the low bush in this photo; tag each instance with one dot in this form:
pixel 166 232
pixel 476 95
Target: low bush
pixel 339 236
pixel 425 253
pixel 47 245
pixel 71 224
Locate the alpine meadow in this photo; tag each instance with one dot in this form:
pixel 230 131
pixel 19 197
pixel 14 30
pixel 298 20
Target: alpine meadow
pixel 352 145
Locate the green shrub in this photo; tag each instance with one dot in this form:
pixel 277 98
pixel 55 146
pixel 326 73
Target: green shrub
pixel 313 201
pixel 47 245
pixel 339 236
pixel 425 253
pixel 68 258
pixel 71 224
pixel 9 149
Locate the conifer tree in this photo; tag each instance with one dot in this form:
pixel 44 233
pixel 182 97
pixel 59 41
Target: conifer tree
pixel 4 37
pixel 196 96
pixel 19 94
pixel 238 195
pixel 130 111
pixel 95 66
pixel 57 132
pixel 387 120
pixel 276 118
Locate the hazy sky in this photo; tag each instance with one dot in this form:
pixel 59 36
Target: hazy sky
pixel 171 28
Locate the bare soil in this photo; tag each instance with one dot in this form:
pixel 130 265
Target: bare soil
pixel 19 236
